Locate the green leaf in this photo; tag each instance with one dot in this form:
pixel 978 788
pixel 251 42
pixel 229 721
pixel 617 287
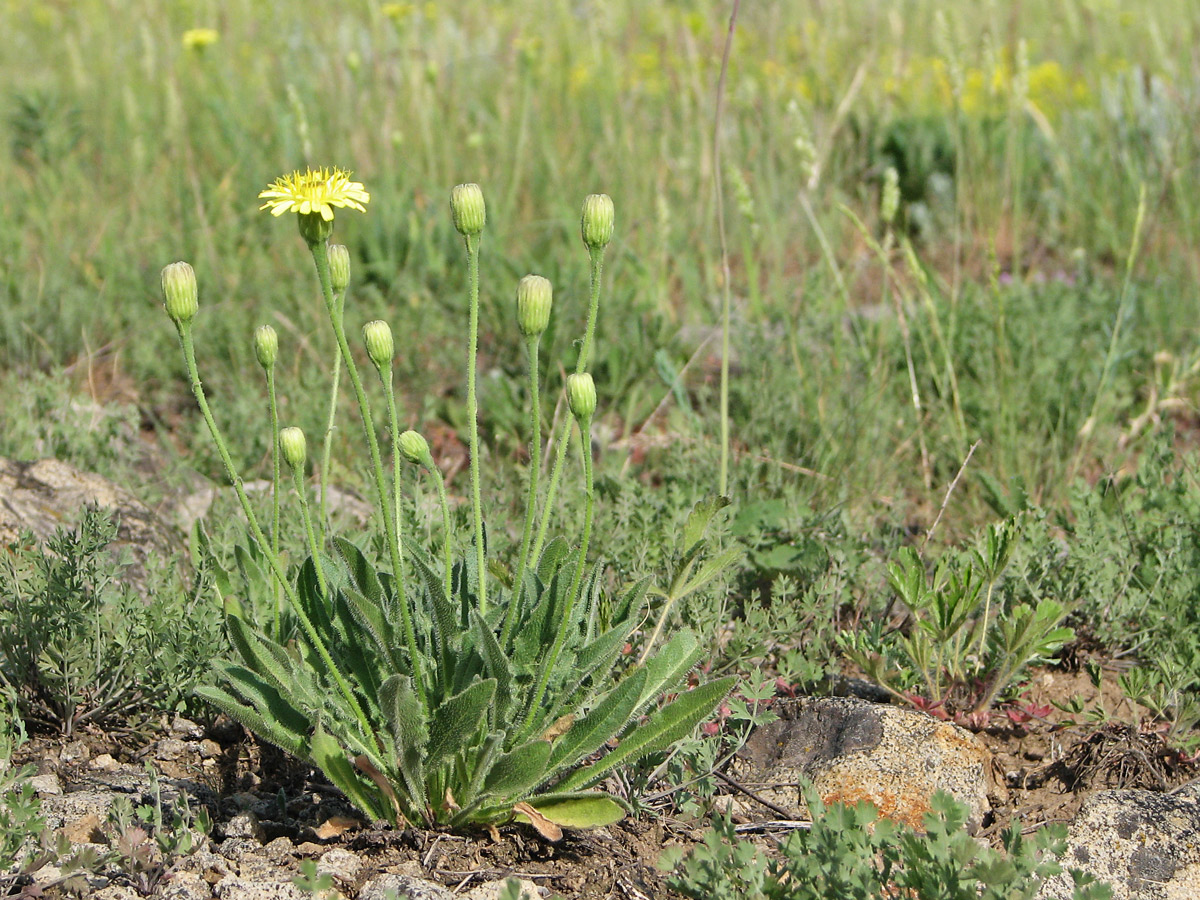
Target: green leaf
pixel 670 664
pixel 331 759
pixel 406 722
pixel 553 556
pixel 605 720
pixel 582 810
pixel 266 713
pixel 709 571
pixel 699 518
pixel 674 721
pixel 521 769
pixel 495 663
pixel 455 722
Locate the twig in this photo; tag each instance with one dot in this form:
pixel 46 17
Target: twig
pixel 755 797
pixel 949 491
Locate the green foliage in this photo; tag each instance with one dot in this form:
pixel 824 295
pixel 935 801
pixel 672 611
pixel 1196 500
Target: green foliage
pixel 958 651
pixel 146 840
pixel 77 646
pixel 23 831
pixel 442 694
pixel 848 852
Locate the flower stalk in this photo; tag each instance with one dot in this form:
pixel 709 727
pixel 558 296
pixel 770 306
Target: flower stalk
pixel 469 213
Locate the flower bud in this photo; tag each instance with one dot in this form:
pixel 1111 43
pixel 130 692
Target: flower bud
pixel 889 202
pixel 415 449
pixel 581 395
pixel 381 348
pixel 180 294
pixel 293 446
pixel 339 267
pixel 467 207
pixel 597 223
pixel 314 228
pixel 266 345
pixel 534 297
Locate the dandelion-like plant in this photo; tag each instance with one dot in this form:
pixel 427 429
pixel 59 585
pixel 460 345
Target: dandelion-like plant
pixel 426 694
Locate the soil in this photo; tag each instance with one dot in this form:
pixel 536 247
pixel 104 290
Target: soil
pixel 1046 761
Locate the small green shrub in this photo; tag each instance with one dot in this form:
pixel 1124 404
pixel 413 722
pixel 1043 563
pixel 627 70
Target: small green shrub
pixel 969 638
pixel 78 647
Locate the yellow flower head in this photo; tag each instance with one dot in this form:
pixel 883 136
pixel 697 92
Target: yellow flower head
pixel 314 192
pixel 198 38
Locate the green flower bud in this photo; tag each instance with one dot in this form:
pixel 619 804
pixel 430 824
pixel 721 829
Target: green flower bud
pixel 381 348
pixel 293 446
pixel 581 395
pixel 180 294
pixel 597 223
pixel 534 297
pixel 339 267
pixel 415 449
pixel 889 201
pixel 266 345
pixel 467 207
pixel 314 228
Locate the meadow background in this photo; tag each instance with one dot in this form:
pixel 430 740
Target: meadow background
pixel 1037 295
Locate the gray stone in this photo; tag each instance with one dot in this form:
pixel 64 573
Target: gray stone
pixel 186 729
pixel 185 886
pixel 245 825
pixel 170 749
pixel 852 750
pixel 43 495
pixel 116 892
pixel 405 887
pixel 1145 844
pixel 46 785
pixel 491 890
pixel 341 865
pixel 241 889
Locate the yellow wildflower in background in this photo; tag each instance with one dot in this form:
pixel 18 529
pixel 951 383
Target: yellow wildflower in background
pixel 196 39
pixel 315 191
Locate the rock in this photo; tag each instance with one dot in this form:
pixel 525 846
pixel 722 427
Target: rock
pixel 46 785
pixel 240 889
pixel 103 763
pixel 341 865
pixel 491 890
pixel 245 825
pixel 1145 844
pixel 186 886
pixel 186 729
pixel 77 814
pixel 405 887
pixel 43 495
pixel 170 749
pixel 116 892
pixel 852 750
pixel 75 751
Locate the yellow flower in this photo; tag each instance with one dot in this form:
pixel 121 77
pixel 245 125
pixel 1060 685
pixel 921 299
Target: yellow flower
pixel 198 38
pixel 315 191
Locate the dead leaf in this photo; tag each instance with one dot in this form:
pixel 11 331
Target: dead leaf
pixel 336 826
pixel 450 802
pixel 544 826
pixel 559 728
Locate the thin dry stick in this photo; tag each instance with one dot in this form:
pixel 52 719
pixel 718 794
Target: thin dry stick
pixel 725 276
pixel 949 491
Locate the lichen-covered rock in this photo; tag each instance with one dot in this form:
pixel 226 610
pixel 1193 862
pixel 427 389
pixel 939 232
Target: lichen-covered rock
pixel 1145 844
pixel 853 750
pixel 406 887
